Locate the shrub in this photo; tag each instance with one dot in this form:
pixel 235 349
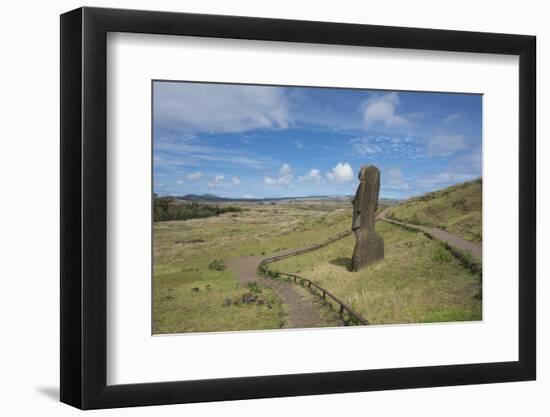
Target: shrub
pixel 165 208
pixel 254 287
pixel 273 274
pixel 474 235
pixel 216 265
pixel 442 254
pixel 413 220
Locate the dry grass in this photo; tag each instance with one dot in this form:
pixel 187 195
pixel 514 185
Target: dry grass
pixel 183 250
pixel 415 282
pixel 456 209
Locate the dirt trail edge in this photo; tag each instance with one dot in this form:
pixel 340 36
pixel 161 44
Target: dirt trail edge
pixel 302 312
pixel 444 236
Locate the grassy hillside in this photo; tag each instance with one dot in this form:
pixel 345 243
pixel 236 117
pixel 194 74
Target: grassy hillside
pixel 456 209
pixel 418 281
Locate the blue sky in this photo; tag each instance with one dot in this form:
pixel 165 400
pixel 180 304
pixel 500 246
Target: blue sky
pixel 263 141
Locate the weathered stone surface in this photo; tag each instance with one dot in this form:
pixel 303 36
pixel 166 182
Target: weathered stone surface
pixel 369 245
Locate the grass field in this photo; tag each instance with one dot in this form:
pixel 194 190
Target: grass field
pixel 188 296
pixel 456 209
pixel 419 281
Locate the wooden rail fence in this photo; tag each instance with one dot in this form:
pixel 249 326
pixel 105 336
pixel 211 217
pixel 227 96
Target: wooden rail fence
pixel 264 269
pixel 307 249
pixel 469 263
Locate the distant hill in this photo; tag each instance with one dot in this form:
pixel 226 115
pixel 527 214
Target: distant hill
pixel 203 197
pixel 456 209
pixel 384 202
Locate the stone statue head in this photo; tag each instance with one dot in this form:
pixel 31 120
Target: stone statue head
pixel 362 173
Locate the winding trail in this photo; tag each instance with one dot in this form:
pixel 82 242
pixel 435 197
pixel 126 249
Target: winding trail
pixel 452 239
pixel 302 312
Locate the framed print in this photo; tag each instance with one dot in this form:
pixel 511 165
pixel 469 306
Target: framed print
pixel 257 208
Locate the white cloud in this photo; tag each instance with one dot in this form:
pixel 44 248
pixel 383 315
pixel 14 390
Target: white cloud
pixel 194 176
pixel 216 181
pixel 172 151
pixel 236 180
pixel 285 177
pixel 220 107
pixel 445 144
pixel 299 144
pixel 340 173
pixel 463 168
pixel 452 117
pixel 443 179
pixel 394 145
pixel 381 109
pixel 364 146
pixel 180 182
pixel 248 196
pixel 470 163
pixel 395 176
pixel 312 175
pixel 394 180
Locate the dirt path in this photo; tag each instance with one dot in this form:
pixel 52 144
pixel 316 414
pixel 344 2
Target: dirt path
pixel 302 312
pixel 452 239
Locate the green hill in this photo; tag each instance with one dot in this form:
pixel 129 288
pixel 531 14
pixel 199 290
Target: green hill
pixel 456 209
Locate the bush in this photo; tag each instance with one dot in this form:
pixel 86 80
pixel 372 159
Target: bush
pixel 474 235
pixel 216 265
pixel 413 220
pixel 442 254
pixel 272 274
pixel 165 208
pixel 254 287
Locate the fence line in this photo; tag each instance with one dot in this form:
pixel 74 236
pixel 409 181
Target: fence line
pixel 264 269
pixel 472 264
pixel 307 249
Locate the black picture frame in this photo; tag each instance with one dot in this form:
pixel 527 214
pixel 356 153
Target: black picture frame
pixel 84 207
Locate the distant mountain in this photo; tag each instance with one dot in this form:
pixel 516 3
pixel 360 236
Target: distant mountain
pixel 203 197
pixel 389 201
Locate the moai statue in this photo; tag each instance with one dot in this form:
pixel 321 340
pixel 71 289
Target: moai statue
pixel 369 245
